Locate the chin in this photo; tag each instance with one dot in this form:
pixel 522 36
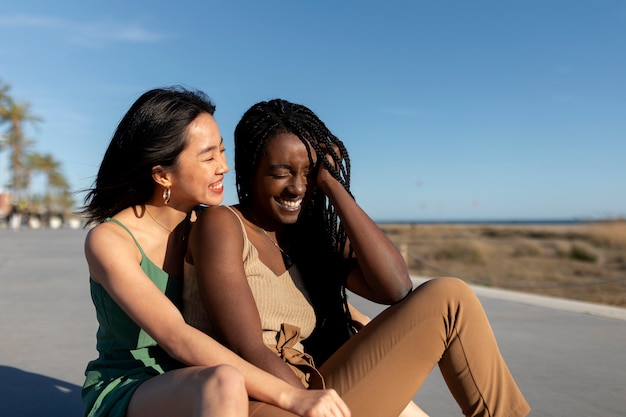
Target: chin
pixel 289 218
pixel 215 201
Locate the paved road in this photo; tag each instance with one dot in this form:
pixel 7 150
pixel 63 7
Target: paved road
pixel 568 358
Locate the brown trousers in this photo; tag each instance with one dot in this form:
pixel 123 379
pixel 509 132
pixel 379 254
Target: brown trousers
pixel 380 369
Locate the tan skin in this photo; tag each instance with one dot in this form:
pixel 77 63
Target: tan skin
pixel 283 179
pixel 216 379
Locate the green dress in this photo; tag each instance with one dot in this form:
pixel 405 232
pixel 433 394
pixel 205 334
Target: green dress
pixel 127 355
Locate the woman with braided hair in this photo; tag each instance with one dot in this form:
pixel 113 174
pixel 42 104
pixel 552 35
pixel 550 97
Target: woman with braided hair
pixel 268 278
pixel 165 158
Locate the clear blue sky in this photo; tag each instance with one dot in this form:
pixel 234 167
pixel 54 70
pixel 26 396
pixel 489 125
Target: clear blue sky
pixel 451 110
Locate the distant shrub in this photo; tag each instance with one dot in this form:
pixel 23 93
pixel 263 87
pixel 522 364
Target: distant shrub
pixel 498 232
pixel 583 252
pixel 463 252
pixel 561 249
pixel 610 234
pixel 525 248
pixel 540 234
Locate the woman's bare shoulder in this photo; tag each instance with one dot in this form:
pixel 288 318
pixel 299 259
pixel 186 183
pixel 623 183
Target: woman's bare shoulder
pixel 216 225
pixel 218 217
pixel 106 232
pixel 118 233
pixel 108 244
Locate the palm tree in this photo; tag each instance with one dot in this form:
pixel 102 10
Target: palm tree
pixel 57 191
pixel 23 164
pixel 17 114
pixel 4 100
pixel 5 199
pixel 4 95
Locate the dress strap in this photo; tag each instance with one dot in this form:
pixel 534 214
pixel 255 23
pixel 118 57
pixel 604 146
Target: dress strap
pixel 236 215
pixel 243 227
pixel 111 219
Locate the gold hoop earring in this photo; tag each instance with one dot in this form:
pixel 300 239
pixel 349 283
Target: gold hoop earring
pixel 166 195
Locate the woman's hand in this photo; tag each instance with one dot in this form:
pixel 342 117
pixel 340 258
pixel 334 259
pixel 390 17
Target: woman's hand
pixel 323 174
pixel 318 403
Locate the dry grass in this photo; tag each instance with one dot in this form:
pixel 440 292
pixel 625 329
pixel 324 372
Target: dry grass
pixel 578 261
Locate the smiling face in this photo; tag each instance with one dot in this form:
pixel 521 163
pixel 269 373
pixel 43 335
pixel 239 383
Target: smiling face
pixel 283 180
pixel 200 168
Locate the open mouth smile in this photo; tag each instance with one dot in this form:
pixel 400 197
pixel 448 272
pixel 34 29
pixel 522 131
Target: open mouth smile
pixel 217 187
pixel 290 205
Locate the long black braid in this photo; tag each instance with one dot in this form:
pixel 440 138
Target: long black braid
pixel 319 256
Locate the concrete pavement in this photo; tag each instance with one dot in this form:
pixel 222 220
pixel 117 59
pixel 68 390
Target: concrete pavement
pixel 567 357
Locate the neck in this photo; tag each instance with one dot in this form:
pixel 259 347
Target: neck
pixel 165 217
pixel 261 221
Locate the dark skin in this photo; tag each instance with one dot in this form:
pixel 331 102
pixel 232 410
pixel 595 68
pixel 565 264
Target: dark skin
pixel 282 182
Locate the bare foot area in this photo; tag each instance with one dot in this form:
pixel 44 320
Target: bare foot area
pixel 583 261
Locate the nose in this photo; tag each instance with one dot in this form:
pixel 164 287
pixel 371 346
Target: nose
pixel 298 184
pixel 223 165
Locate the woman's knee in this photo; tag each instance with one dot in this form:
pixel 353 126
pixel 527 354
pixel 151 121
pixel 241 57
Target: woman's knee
pixel 226 376
pixel 223 381
pixel 195 390
pixel 445 290
pixel 451 285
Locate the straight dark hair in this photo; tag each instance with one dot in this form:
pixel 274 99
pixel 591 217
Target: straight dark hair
pixel 153 132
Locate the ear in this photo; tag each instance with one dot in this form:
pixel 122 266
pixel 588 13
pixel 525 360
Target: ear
pixel 161 176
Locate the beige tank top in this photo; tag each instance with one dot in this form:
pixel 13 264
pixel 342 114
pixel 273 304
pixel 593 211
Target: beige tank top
pixel 281 299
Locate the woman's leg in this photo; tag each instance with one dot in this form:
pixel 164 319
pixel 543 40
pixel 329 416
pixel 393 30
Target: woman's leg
pixel 442 322
pixel 195 391
pixel 360 320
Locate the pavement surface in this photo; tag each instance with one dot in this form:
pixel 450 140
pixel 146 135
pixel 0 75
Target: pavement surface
pixel 569 358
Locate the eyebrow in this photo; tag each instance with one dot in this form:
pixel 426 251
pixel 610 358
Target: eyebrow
pixel 210 148
pixel 280 166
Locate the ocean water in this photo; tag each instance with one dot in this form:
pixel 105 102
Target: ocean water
pixel 493 221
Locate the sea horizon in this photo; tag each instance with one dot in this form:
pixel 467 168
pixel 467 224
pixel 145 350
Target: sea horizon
pixel 503 221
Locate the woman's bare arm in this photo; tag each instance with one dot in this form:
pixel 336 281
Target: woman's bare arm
pixel 216 246
pixel 382 275
pixel 113 263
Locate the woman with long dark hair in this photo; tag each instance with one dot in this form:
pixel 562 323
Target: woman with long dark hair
pixel 165 158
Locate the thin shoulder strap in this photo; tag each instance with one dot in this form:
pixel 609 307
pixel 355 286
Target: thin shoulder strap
pixel 110 219
pixel 238 218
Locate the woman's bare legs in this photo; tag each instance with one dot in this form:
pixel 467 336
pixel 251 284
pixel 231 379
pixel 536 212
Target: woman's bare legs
pixel 192 392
